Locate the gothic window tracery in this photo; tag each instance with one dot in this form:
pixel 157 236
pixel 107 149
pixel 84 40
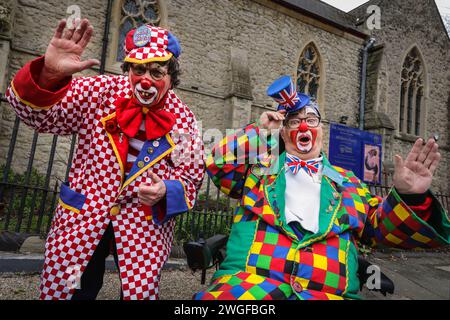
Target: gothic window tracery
pixel 411 94
pixel 135 13
pixel 308 72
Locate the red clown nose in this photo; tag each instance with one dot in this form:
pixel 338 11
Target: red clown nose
pixel 145 84
pixel 303 127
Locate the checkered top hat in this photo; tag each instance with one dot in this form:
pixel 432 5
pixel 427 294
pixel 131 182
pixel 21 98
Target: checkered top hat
pixel 148 43
pixel 284 93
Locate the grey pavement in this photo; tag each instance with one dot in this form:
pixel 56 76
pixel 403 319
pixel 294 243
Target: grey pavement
pixel 416 275
pixel 32 263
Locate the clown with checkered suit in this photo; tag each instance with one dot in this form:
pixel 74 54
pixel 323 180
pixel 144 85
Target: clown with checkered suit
pixel 138 164
pixel 295 231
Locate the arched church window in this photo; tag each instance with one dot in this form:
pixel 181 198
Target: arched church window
pixel 135 13
pixel 411 93
pixel 308 71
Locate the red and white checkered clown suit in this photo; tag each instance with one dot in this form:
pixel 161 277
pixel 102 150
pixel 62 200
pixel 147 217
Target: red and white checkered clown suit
pixel 98 192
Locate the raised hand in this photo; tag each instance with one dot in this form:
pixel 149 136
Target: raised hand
pixel 271 119
pixel 415 174
pixel 151 194
pixel 63 55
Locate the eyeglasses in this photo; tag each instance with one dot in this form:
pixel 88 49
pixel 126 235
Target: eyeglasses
pixel 141 69
pixel 311 122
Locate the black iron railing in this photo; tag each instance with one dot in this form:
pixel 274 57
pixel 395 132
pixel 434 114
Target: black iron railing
pixel 212 214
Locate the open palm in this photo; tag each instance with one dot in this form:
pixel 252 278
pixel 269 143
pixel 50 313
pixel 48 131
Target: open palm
pixel 415 174
pixel 63 55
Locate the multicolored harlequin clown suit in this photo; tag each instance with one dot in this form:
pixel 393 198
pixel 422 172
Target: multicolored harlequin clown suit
pixel 295 231
pixel 132 131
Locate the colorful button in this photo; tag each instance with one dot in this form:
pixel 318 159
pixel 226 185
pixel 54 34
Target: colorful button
pixel 114 210
pixel 336 195
pixel 140 164
pixel 142 36
pixel 146 159
pixel 156 144
pixel 256 171
pixel 150 150
pixel 297 286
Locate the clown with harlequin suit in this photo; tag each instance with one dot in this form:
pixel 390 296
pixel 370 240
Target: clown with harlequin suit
pixel 295 231
pixel 138 164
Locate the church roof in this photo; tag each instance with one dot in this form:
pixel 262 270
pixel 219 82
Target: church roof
pixel 326 13
pixel 366 4
pixel 379 3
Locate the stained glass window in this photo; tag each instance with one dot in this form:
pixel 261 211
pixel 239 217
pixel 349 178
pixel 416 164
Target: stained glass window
pixel 411 93
pixel 135 13
pixel 308 72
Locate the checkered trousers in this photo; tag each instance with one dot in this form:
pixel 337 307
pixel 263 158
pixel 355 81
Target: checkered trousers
pixel 319 267
pixel 245 286
pixel 142 250
pixel 142 246
pixel 277 269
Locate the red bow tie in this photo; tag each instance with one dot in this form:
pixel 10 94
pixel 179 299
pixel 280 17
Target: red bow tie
pixel 158 122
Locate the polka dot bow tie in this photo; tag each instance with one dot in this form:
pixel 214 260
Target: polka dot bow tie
pixel 296 164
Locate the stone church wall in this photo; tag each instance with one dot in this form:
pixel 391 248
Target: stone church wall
pixel 405 24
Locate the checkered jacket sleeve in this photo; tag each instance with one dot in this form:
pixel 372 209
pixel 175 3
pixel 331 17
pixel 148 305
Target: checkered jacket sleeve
pixel 391 222
pixel 190 154
pixel 231 158
pixel 61 112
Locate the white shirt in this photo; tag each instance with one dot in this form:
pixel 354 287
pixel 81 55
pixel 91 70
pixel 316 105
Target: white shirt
pixel 302 197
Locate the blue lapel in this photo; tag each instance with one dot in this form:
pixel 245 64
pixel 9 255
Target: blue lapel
pixel 152 152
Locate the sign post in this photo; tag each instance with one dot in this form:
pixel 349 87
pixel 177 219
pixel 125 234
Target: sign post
pixel 356 150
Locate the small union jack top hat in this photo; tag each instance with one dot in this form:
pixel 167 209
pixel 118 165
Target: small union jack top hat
pixel 284 93
pixel 148 44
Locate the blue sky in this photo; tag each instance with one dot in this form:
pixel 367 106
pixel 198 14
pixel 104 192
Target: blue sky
pixel 347 5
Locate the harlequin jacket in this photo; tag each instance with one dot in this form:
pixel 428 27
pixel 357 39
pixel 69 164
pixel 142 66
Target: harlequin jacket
pixel 98 192
pixel 267 259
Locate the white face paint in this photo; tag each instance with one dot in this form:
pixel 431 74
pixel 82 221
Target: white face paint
pixel 145 97
pixel 304 141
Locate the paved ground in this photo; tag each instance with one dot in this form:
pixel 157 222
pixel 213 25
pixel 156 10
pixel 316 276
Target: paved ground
pixel 416 275
pixel 420 275
pixel 175 285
